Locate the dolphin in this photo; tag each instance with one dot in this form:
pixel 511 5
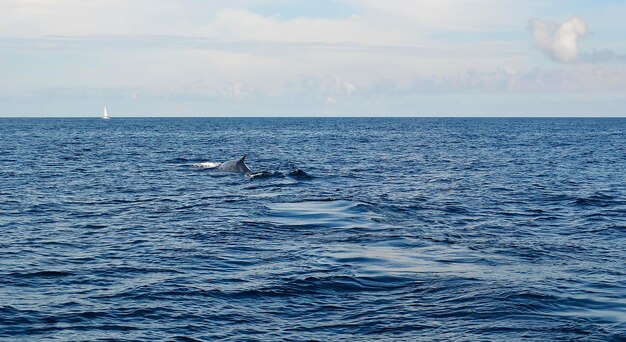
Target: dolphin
pixel 235 165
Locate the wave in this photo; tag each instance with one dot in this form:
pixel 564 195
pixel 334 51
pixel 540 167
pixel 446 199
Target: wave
pixel 598 200
pixel 334 214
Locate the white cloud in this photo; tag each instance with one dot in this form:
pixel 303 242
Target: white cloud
pixel 237 91
pixel 242 25
pixel 373 21
pixel 582 78
pixel 446 15
pixel 559 41
pixel 329 89
pixel 35 18
pixel 224 21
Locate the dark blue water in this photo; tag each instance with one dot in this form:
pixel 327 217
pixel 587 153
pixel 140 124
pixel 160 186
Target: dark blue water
pixel 398 229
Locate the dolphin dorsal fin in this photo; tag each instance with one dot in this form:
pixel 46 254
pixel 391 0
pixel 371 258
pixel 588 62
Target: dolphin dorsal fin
pixel 243 158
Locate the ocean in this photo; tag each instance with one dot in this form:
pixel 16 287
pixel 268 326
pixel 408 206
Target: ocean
pixel 391 229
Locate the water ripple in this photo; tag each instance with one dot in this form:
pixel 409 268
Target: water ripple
pixel 351 229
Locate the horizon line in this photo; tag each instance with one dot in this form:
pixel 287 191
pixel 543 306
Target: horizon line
pixel 619 116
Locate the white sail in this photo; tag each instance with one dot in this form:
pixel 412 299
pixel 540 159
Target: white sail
pixel 105 115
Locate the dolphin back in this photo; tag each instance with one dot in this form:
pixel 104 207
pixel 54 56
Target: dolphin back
pixel 236 165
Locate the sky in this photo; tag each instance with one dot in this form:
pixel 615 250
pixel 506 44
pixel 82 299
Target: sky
pixel 312 58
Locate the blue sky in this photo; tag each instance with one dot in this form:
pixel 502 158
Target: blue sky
pixel 312 58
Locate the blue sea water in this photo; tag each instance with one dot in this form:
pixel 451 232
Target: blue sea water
pixel 397 229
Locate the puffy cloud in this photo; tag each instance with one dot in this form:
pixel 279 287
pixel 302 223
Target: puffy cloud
pixel 559 41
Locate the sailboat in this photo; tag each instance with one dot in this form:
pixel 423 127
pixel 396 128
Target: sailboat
pixel 105 115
